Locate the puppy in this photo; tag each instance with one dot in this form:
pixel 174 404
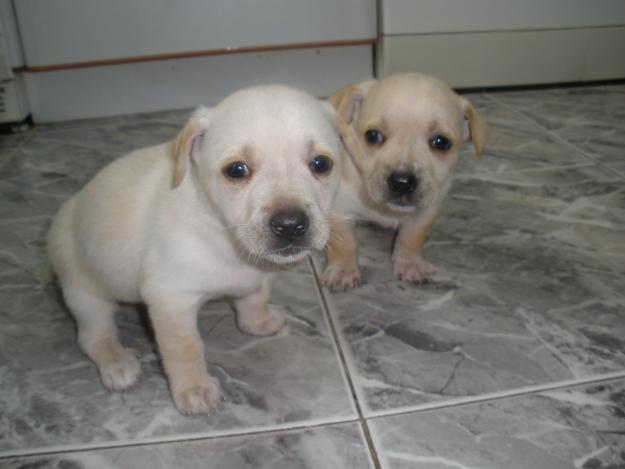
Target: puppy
pixel 408 130
pixel 245 188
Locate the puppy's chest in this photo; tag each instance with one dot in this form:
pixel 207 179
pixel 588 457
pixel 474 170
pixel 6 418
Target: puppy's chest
pixel 207 265
pixel 235 281
pixel 228 275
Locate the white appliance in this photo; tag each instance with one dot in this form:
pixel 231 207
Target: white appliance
pixel 13 102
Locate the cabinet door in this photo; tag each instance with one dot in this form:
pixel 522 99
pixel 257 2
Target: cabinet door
pixel 69 31
pixel 477 43
pixel 455 16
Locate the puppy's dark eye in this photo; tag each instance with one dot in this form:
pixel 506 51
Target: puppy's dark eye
pixel 236 170
pixel 320 164
pixel 440 143
pixel 374 137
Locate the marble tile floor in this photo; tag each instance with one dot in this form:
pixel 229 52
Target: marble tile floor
pixel 513 357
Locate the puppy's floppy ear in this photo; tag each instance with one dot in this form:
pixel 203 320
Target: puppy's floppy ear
pixel 347 100
pixel 349 139
pixel 188 143
pixel 346 106
pixel 475 129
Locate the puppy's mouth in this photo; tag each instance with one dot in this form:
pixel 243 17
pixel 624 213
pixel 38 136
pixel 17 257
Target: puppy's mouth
pixel 402 206
pixel 287 254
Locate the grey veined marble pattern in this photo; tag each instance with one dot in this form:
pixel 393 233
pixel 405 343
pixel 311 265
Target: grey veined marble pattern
pixel 573 428
pixel 591 118
pixel 529 295
pixel 331 447
pixel 51 395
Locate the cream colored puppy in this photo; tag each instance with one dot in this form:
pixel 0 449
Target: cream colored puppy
pixel 409 129
pixel 244 188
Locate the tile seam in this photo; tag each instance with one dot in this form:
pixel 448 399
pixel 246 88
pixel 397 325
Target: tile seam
pixel 170 439
pixel 336 338
pixel 497 395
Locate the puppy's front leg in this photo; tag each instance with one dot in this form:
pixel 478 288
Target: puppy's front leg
pixel 254 316
pixel 182 351
pixel 342 272
pixel 408 264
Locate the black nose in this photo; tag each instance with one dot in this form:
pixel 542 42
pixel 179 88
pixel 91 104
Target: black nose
pixel 402 183
pixel 289 224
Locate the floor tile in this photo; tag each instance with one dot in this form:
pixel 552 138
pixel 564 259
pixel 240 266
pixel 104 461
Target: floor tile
pixel 331 447
pixel 50 393
pixel 582 428
pixel 529 291
pixel 515 143
pixel 591 118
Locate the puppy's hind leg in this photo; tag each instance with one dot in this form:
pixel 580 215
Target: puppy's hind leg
pixel 97 335
pixel 255 317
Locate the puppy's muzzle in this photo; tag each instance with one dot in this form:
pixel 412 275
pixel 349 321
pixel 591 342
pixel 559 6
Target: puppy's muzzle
pixel 402 184
pixel 289 225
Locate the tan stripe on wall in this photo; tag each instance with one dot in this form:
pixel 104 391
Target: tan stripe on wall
pixel 186 55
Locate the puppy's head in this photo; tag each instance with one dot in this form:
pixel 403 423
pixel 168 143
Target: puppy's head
pixel 409 128
pixel 267 160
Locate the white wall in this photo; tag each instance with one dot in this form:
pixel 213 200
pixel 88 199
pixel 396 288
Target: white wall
pixel 67 31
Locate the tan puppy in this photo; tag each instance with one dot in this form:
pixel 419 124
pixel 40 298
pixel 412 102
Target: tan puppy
pixel 245 187
pixel 409 129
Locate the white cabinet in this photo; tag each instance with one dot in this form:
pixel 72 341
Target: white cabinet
pixel 88 58
pixel 69 31
pixel 9 31
pixel 463 16
pixel 13 103
pixel 482 43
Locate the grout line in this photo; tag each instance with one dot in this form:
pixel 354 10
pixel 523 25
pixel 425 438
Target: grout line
pixel 341 343
pixel 344 365
pixel 497 395
pixel 555 136
pixel 182 438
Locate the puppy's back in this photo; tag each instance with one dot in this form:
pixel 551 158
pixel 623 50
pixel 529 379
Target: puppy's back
pixel 98 235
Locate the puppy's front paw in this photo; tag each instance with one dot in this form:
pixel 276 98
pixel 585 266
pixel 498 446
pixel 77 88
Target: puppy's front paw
pixel 265 324
pixel 337 279
pixel 414 270
pixel 122 371
pixel 200 398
